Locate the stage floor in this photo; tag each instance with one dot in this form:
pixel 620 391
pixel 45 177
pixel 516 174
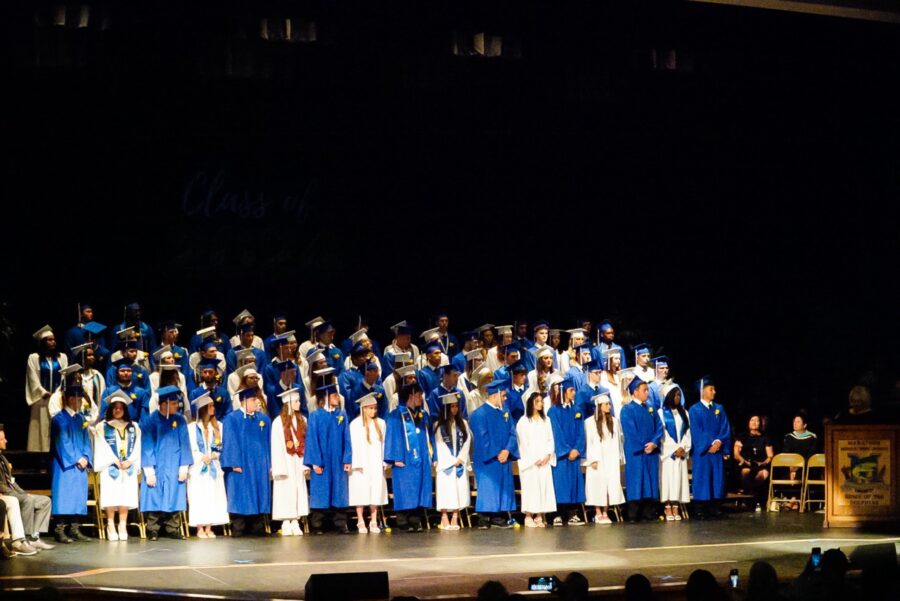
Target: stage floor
pixel 437 563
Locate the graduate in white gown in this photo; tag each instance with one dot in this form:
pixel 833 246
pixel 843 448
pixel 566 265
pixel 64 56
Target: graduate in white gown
pixel 674 487
pixel 603 459
pixel 475 399
pixel 117 459
pixel 452 439
pixel 536 461
pixel 207 503
pixel 290 499
pixel 367 482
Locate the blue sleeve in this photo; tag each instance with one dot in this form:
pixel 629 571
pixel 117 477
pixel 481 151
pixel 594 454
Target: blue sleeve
pixel 560 444
pixel 187 457
pixel 633 444
pixel 394 445
pixel 725 433
pixel 433 402
pixel 230 361
pixel 347 455
pixel 700 437
pixel 481 438
pixel 387 365
pixel 147 332
pixel 313 453
pixel 64 447
pixel 148 444
pixel 512 441
pixel 657 429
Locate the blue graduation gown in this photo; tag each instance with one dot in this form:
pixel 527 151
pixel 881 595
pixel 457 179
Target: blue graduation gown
pixel 597 353
pixel 328 446
pixel 76 336
pixel 578 377
pixel 707 425
pixel 221 400
pixel 583 397
pixel 333 356
pixel 140 401
pixel 273 402
pixel 360 390
pixel 428 378
pixel 139 376
pixel 347 380
pixel 449 342
pixel 347 346
pixel 527 356
pixel 231 358
pixel 69 442
pixel 568 433
pixel 515 400
pixel 223 344
pixel 182 359
pixel 656 399
pixel 502 373
pixel 459 361
pixel 413 445
pixel 247 445
pixel 640 425
pixel 165 446
pixel 493 430
pixel 436 405
pixel 148 337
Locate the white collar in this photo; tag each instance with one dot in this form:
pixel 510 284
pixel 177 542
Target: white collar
pixel 71 411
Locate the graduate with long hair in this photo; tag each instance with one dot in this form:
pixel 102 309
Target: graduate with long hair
pixel 603 459
pixel 208 505
pixel 290 499
pixel 117 460
pixel 452 440
pixel 537 457
pixel 368 486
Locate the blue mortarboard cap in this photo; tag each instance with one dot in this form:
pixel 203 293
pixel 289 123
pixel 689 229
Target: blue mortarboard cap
pixel 94 328
pixel 169 393
pixel 247 327
pixel 584 348
pixel 133 306
pixel 208 363
pixel 324 327
pixel 518 367
pixel 605 326
pixel 642 349
pixel 123 362
pixel 207 344
pixel 594 365
pixel 432 346
pixel 566 384
pixel 131 343
pixel 449 369
pixel 169 325
pixel 279 315
pixel 512 347
pixel 541 324
pixel 85 306
pixel 633 385
pixel 440 314
pixel 371 366
pixel 661 361
pixel 474 335
pixel 496 386
pixel 285 365
pixel 359 349
pixel 248 393
pixel 327 388
pixel 703 382
pixel 74 390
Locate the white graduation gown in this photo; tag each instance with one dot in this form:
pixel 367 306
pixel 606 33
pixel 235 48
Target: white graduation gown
pixel 474 400
pixel 491 360
pixel 452 492
pixel 367 482
pixel 673 473
pixel 257 343
pixel 39 425
pixel 207 503
pixel 603 486
pixel 536 442
pixel 290 499
pixel 615 392
pixel 182 384
pixel 121 491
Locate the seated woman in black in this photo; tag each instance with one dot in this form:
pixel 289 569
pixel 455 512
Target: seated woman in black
pixel 753 453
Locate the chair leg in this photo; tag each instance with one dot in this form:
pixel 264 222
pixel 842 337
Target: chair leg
pixel 584 513
pixel 184 525
pixel 267 524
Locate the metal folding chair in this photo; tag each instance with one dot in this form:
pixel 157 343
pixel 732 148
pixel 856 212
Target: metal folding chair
pixel 784 461
pixel 817 461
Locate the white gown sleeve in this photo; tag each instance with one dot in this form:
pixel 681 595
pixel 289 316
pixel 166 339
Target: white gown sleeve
pixel 279 449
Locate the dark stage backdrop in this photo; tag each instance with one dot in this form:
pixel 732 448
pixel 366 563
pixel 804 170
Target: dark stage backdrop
pixel 738 212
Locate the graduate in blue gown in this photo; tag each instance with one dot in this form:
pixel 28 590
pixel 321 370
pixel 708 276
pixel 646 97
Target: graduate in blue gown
pixel 409 449
pixel 470 341
pixel 351 376
pixel 607 336
pixel 495 447
pixel 281 351
pixel 515 393
pixel 643 431
pixel 70 446
pixel 512 352
pixel 661 370
pixel 592 387
pixel 124 381
pixel 286 380
pixel 567 421
pixel 369 384
pixel 246 460
pixel 209 319
pixel 165 459
pixel 710 444
pixel 209 382
pixel 279 329
pixel 324 338
pixel 86 330
pixel 429 376
pixel 169 337
pixel 448 342
pixel 329 457
pixel 448 385
pixel 139 376
pixel 146 337
pixel 541 329
pixel 246 335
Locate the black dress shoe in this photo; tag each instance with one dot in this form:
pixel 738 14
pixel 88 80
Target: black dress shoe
pixel 175 535
pixel 78 535
pixel 153 535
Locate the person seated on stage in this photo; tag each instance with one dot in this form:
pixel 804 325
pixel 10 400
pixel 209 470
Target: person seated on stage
pixel 409 449
pixel 169 338
pixel 246 341
pixel 643 432
pixel 28 514
pixel 537 456
pixel 240 339
pixel 710 443
pixel 207 502
pixel 429 376
pixel 452 440
pixel 329 454
pixel 70 446
pixel 495 448
pixel 287 380
pixel 140 397
pixel 674 488
pixel 208 368
pixel 290 499
pixel 117 460
pixel 42 378
pixel 753 452
pixel 367 484
pixel 209 330
pixel 165 458
pixel 370 384
pixel 800 440
pixel 567 420
pixel 448 385
pixel 604 456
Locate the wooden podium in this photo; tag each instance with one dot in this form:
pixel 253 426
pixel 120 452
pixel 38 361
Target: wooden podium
pixel 861 474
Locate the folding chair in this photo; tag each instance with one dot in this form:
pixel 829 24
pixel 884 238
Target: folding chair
pixel 94 488
pixel 784 461
pixel 817 461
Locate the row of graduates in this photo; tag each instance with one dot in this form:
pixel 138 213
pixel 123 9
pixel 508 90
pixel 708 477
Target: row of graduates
pixel 231 473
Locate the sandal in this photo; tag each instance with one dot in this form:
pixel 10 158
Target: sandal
pixel 373 527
